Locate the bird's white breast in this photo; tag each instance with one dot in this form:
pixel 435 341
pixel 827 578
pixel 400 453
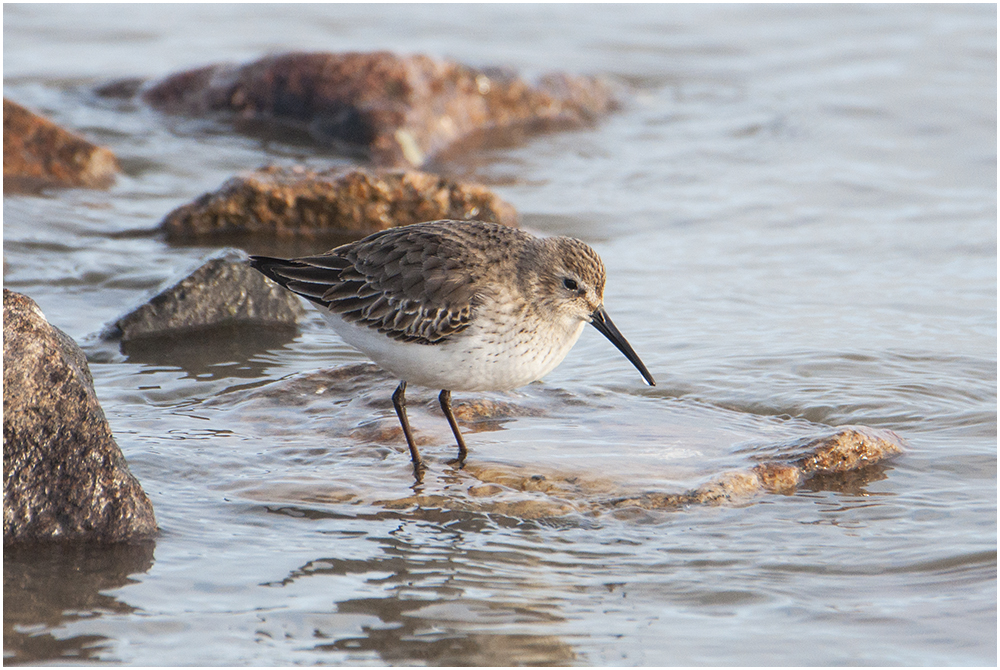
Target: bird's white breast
pixel 490 355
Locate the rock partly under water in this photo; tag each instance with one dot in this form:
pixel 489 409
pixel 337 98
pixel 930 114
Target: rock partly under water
pixel 843 458
pixel 38 154
pixel 224 292
pixel 285 203
pixel 397 111
pixel 64 476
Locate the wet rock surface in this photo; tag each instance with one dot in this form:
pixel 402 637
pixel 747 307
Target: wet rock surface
pixel 65 477
pixel 394 110
pixel 833 458
pixel 283 202
pixel 38 154
pixel 846 451
pixel 783 467
pixel 224 292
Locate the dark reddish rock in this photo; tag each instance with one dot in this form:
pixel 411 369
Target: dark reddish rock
pixel 221 293
pixel 64 477
pixel 37 153
pixel 398 111
pixel 295 202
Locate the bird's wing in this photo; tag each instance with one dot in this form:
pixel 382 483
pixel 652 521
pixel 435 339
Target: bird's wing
pixel 407 283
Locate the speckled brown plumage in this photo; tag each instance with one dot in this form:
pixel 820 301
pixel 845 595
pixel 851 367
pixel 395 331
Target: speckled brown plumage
pixel 456 305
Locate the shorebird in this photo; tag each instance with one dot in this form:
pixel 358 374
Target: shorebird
pixel 456 306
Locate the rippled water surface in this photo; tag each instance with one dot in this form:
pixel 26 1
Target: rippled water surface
pixel 797 209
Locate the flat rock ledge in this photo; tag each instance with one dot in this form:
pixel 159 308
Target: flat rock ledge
pixel 64 477
pixel 845 458
pixel 298 203
pixel 397 111
pixel 223 292
pixel 846 451
pixel 38 154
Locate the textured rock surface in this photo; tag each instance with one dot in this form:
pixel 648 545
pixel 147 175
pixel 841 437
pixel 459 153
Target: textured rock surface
pixel 844 458
pixel 64 477
pixel 299 203
pixel 222 292
pixel 395 110
pixel 783 468
pixel 38 153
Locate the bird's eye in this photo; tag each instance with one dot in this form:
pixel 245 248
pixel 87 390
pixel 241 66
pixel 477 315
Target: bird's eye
pixel 570 284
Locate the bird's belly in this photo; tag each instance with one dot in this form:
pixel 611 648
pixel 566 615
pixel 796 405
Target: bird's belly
pixel 478 359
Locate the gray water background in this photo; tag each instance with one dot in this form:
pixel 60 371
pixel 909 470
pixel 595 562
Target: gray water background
pixel 797 209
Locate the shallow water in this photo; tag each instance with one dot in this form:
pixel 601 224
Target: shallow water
pixel 797 209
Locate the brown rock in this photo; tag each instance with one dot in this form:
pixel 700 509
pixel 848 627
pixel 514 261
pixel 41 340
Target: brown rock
pixel 484 410
pixel 299 203
pixel 396 110
pixel 326 386
pixel 64 477
pixel 538 508
pixel 783 467
pixel 841 459
pixel 38 153
pixel 222 292
pixel 848 448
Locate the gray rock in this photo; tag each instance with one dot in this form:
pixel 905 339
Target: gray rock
pixel 64 477
pixel 222 292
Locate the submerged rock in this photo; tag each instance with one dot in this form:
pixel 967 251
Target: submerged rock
pixel 350 406
pixel 783 467
pixel 500 489
pixel 369 385
pixel 222 292
pixel 37 153
pixel 64 477
pixel 394 110
pixel 300 203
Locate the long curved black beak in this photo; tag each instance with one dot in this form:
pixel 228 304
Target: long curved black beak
pixel 602 322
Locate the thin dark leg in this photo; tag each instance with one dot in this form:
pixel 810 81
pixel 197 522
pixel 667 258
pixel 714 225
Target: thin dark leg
pixel 445 400
pixel 399 402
